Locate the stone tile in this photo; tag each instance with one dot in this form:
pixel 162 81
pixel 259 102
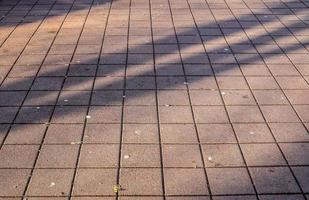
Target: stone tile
pixel 131 180
pixel 78 83
pixel 95 182
pixel 108 83
pixel 253 132
pixel 138 155
pixel 296 153
pixel 292 82
pixel 171 83
pixel 25 134
pixel 82 70
pixel 266 97
pixel 11 98
pixel 298 96
pixel 40 98
pixel 102 133
pixel 229 181
pixel 173 97
pixel 34 114
pixel 185 182
pixel 99 155
pixel 222 155
pixel 205 97
pixel 50 182
pixel 262 154
pixel 202 83
pixel 8 114
pixel 140 114
pixel 182 156
pixel 18 156
pixel 245 114
pixel 63 134
pixel 12 84
pixel 262 83
pixel 140 133
pixel 175 114
pixel 140 83
pixel 104 114
pixel 282 197
pixel 289 132
pixel 302 111
pixel 232 83
pixel 237 97
pixel 69 114
pixel 57 156
pixel 273 180
pixel 47 83
pixel 210 114
pixel 13 181
pixel 279 113
pixel 242 197
pixel 140 97
pixel 178 133
pixel 74 98
pixel 216 133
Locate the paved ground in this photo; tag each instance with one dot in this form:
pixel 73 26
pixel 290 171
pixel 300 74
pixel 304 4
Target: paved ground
pixel 170 99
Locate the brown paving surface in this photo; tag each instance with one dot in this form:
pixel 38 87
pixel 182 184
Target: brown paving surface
pixel 171 99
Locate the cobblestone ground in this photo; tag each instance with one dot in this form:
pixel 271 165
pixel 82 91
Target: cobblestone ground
pixel 154 99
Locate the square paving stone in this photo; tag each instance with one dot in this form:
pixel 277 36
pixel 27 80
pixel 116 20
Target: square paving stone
pixel 18 156
pixel 25 134
pixel 140 155
pixel 7 114
pixel 229 181
pixel 222 155
pixel 238 97
pixel 298 96
pixel 40 98
pixel 47 83
pixel 302 174
pixel 74 98
pixel 216 133
pixel 178 133
pixel 202 83
pixel 210 114
pixel 140 133
pixel 182 156
pixel 262 154
pixel 95 182
pixel 57 156
pixel 292 82
pixel 141 198
pixel 289 132
pixel 34 114
pixel 140 97
pixel 113 97
pixel 13 181
pixel 140 114
pixel 302 111
pixel 244 114
pixel 296 153
pixel 108 83
pixel 253 132
pixel 171 83
pixel 265 97
pixel 50 182
pixel 69 114
pixel 273 180
pixel 63 134
pixel 132 180
pixel 282 197
pixel 11 98
pixel 175 114
pixel 260 83
pixel 78 83
pixel 232 83
pixel 104 114
pixel 279 113
pixel 185 182
pixel 82 70
pixel 242 197
pixel 205 97
pixel 99 155
pixel 173 97
pixel 140 83
pixel 102 133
